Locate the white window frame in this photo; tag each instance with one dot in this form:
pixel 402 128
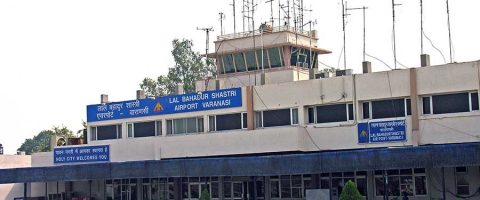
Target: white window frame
pixel 291 117
pixel 196 121
pixel 470 101
pixel 347 113
pixel 431 105
pixel 132 135
pixel 93 134
pixel 243 127
pixel 369 109
pixel 456 180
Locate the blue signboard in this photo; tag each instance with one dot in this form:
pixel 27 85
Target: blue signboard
pixel 81 154
pixel 382 131
pixel 208 100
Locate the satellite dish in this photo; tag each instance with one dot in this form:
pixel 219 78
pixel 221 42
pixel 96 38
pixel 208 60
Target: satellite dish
pixel 61 142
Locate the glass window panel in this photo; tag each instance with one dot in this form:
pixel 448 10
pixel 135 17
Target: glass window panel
pixel 285 187
pixel 251 60
pixel 331 113
pixel 325 183
pixel 227 189
pixel 169 127
pixel 393 186
pixel 194 191
pixel 144 129
pixel 420 185
pixel 260 189
pixel 258 119
pixel 237 190
pixel 229 122
pixel 379 186
pixel 245 120
pixel 159 128
pixel 276 118
pixel 295 116
pixel 474 100
pixel 351 112
pixel 130 130
pixel 220 62
pixel 294 56
pixel 388 108
pixel 463 190
pixel 240 62
pixel 266 65
pixel 275 57
pixel 311 115
pixel 179 126
pixel 426 105
pixel 406 185
pixel 228 63
pixel 362 186
pixel 200 124
pixel 366 110
pixel 192 125
pixel 409 106
pixel 211 123
pixel 450 103
pixel 215 188
pixel 275 190
pixel 106 132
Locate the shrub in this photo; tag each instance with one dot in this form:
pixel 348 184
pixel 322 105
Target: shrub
pixel 205 195
pixel 350 192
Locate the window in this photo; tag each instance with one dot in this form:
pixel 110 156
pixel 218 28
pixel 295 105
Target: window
pixel 301 57
pixel 244 121
pixel 106 132
pixel 450 103
pixel 461 180
pixel 271 118
pixel 240 62
pixel 339 179
pixel 411 181
pixel 266 63
pixel 251 60
pixel 185 126
pixel 390 108
pixel 144 129
pixel 228 63
pixel 227 122
pixel 330 113
pixel 276 57
pixel 289 186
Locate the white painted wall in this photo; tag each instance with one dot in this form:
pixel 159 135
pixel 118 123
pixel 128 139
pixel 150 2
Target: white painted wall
pixel 10 191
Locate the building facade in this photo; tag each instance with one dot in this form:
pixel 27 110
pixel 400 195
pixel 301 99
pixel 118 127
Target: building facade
pixel 271 126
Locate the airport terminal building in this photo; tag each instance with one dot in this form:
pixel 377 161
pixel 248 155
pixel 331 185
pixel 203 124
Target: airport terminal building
pixel 272 126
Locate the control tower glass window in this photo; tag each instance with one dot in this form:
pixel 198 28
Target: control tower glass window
pixel 251 60
pixel 275 56
pixel 266 63
pixel 228 64
pixel 240 62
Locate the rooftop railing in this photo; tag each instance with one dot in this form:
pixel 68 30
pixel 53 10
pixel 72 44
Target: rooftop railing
pixel 259 31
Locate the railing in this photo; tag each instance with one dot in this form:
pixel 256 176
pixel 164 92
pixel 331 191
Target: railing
pixel 258 32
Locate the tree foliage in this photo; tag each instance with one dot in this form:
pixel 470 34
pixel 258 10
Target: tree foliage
pixel 188 68
pixel 350 192
pixel 41 142
pixel 205 195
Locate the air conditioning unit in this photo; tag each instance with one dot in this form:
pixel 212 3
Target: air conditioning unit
pixel 346 72
pixel 322 75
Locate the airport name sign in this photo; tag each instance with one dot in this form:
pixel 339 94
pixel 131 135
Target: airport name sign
pixel 208 100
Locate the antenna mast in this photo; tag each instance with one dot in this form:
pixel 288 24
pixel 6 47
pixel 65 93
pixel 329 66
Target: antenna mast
pixel 421 26
pixel 364 29
pixel 449 32
pixel 394 34
pixel 207 32
pixel 271 10
pixel 222 17
pixel 234 17
pixel 344 15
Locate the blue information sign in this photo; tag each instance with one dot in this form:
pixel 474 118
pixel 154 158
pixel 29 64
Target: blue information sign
pixel 208 100
pixel 84 154
pixel 382 131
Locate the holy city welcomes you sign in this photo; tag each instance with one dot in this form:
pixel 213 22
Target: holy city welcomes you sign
pixel 85 154
pixel 382 131
pixel 208 100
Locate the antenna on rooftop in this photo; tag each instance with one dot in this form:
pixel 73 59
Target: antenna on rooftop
pixel 394 34
pixel 271 10
pixel 421 27
pixel 364 29
pixel 234 17
pixel 222 17
pixel 207 32
pixel 287 13
pixel 344 16
pixel 449 32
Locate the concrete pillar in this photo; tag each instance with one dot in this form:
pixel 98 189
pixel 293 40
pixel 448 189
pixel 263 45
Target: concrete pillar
pixel 414 107
pixel 220 187
pixel 217 84
pixel 177 184
pixel 141 94
pixel 367 67
pixel 25 187
pixel 250 111
pixel 104 98
pixel 424 60
pixel 262 78
pixel 311 73
pixel 268 189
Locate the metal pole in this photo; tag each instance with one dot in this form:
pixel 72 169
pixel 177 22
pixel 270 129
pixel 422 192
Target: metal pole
pixel 364 34
pixel 385 185
pixel 394 39
pixel 344 36
pixel 444 194
pixel 234 18
pixel 421 26
pixel 25 191
pixel 449 33
pixel 310 47
pixel 46 190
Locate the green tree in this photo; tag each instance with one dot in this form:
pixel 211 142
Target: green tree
pixel 350 192
pixel 41 142
pixel 205 195
pixel 188 68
